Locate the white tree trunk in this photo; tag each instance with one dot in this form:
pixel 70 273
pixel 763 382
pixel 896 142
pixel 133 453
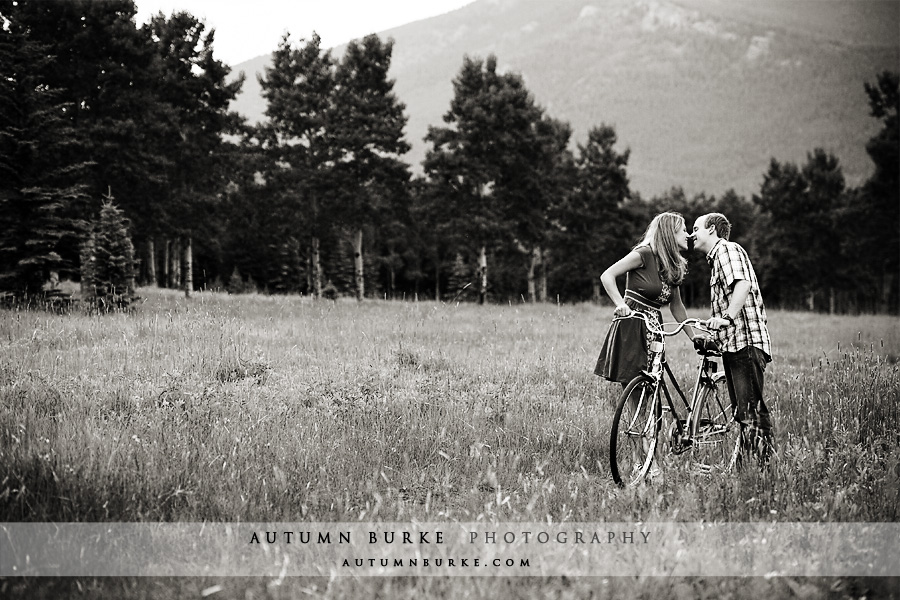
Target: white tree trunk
pixel 542 279
pixel 358 264
pixel 151 262
pixel 483 273
pixel 167 263
pixel 316 267
pixel 175 270
pixel 393 280
pixel 532 270
pixel 437 281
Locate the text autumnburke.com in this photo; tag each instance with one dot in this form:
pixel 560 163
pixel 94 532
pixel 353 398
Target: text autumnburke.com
pixel 437 537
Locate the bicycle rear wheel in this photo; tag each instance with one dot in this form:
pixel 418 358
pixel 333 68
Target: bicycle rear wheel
pixel 715 434
pixel 635 427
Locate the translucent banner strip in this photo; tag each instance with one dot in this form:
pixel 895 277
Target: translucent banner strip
pixel 446 549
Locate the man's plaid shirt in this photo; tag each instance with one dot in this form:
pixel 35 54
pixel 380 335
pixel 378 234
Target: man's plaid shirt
pixel 729 263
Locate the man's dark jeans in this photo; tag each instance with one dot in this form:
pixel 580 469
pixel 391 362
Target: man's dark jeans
pixel 745 375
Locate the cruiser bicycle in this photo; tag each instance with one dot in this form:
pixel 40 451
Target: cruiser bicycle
pixel 703 428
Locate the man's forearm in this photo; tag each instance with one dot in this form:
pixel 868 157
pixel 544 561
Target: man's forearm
pixel 741 291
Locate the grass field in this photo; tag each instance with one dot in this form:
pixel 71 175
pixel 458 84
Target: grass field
pixel 255 408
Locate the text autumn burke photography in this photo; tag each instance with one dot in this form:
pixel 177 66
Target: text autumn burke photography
pixel 519 548
pixel 437 537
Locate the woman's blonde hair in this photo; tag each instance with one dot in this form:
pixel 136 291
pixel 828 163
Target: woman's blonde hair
pixel 660 236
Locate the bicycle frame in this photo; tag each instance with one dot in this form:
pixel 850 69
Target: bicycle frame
pixel 682 434
pixel 692 431
pixel 659 369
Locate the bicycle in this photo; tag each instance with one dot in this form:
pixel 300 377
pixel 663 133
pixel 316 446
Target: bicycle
pixel 709 429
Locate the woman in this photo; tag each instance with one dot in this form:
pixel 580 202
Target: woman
pixel 654 271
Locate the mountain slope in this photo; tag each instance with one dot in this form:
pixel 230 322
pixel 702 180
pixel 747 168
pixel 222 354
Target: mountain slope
pixel 704 92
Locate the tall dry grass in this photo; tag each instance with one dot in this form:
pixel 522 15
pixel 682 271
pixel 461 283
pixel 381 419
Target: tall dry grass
pixel 254 408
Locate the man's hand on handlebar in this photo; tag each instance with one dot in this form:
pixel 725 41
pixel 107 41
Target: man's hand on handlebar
pixel 703 345
pixel 717 323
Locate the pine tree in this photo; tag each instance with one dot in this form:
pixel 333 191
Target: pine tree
pixel 195 97
pixel 881 193
pixel 107 276
pixel 298 88
pixel 591 234
pixel 41 167
pixel 487 162
pixel 797 206
pixel 430 231
pixel 104 72
pixel 367 122
pixel 544 183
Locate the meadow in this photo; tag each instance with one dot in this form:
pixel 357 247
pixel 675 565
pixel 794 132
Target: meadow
pixel 271 408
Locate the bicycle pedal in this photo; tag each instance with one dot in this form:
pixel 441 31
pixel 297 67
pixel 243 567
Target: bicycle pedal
pixel 679 445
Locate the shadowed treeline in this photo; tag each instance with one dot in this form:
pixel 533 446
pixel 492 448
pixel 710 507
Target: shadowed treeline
pixel 317 199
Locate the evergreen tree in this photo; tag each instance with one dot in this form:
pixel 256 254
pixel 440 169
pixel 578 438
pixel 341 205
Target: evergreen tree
pixel 396 246
pixel 430 231
pixel 873 222
pixel 543 182
pixel 460 278
pixel 287 272
pixel 192 85
pixel 41 165
pixel 107 275
pixel 298 88
pixel 103 70
pixel 777 272
pixel 593 232
pixel 797 206
pixel 367 123
pixel 476 162
pixel 338 264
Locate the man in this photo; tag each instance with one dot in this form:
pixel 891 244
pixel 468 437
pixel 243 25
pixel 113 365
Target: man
pixel 739 316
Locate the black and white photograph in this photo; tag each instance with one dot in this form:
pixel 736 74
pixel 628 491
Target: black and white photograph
pixel 450 299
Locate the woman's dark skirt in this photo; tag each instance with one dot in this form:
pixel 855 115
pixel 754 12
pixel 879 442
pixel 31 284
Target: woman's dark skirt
pixel 624 352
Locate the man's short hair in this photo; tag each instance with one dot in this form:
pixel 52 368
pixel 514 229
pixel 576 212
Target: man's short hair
pixel 722 225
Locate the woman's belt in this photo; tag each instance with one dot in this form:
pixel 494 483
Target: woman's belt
pixel 636 297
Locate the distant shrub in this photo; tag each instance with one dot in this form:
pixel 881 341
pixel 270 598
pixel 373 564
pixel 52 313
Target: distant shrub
pixel 237 285
pixel 461 277
pixel 330 292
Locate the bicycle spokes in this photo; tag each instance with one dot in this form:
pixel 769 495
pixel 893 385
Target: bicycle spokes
pixel 715 434
pixel 634 432
pixel 641 424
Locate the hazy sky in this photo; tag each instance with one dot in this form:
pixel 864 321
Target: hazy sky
pixel 248 28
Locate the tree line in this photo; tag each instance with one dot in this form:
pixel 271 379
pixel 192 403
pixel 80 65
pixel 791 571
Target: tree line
pixel 317 199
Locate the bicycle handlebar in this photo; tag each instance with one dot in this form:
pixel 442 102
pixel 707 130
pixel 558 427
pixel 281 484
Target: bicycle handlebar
pixel 698 323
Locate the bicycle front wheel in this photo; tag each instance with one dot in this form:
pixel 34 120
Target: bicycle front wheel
pixel 634 431
pixel 715 434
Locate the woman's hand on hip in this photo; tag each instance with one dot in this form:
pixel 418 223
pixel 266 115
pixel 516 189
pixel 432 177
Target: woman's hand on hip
pixel 622 310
